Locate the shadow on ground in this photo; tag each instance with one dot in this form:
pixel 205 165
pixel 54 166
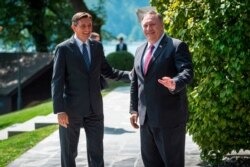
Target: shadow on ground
pixel 116 131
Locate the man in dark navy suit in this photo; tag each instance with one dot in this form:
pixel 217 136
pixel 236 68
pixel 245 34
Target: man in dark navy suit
pixel 162 69
pixel 76 92
pixel 121 46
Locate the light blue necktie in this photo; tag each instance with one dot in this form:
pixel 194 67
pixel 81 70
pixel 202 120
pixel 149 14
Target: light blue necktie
pixel 85 55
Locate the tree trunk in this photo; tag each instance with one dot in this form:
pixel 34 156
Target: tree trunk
pixel 36 17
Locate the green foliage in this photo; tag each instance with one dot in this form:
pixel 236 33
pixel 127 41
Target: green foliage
pixel 218 34
pixel 121 60
pixel 40 25
pixel 34 24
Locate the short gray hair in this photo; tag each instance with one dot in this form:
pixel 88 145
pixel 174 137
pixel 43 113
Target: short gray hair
pixel 152 12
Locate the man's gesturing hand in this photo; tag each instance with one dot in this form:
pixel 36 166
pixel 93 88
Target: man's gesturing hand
pixel 167 82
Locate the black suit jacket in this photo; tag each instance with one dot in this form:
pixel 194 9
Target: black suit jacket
pixel 124 47
pixel 164 108
pixel 76 90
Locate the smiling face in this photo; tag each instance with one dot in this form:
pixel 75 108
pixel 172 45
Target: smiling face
pixel 83 28
pixel 152 26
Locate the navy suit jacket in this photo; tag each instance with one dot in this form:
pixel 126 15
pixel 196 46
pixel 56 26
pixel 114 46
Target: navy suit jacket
pixel 124 47
pixel 164 108
pixel 75 89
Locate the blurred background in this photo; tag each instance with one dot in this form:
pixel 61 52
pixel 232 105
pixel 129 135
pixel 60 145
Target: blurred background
pixel 40 25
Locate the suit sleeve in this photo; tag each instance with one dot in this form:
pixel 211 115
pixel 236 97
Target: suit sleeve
pixel 57 82
pixel 133 92
pixel 184 67
pixel 113 73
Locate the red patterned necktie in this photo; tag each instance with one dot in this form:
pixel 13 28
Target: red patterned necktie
pixel 148 58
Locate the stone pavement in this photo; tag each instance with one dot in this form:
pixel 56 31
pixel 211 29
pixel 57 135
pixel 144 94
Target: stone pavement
pixel 121 141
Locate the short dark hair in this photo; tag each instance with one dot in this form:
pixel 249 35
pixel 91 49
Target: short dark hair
pixel 121 38
pixel 79 16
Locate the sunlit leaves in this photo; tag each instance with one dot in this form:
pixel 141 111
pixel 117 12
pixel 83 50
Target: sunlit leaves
pixel 218 35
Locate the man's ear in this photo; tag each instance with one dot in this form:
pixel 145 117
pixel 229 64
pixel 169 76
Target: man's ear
pixel 73 27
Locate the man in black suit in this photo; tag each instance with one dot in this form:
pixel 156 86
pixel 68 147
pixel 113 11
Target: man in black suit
pixel 121 46
pixel 78 65
pixel 162 69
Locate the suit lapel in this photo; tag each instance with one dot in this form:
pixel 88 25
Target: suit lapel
pixel 92 54
pixel 141 52
pixel 77 53
pixel 159 49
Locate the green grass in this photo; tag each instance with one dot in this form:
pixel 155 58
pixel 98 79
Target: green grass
pixel 25 114
pixel 15 146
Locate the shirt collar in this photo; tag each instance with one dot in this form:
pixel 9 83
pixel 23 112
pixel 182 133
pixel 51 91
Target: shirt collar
pixel 79 42
pixel 156 43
